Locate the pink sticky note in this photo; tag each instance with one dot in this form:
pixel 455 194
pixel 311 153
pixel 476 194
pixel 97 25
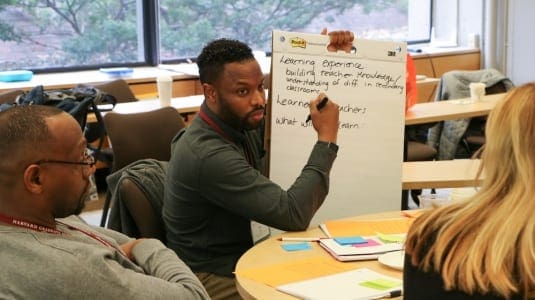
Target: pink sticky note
pixel 369 242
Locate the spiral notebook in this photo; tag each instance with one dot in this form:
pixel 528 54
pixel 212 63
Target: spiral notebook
pixel 356 284
pixel 368 251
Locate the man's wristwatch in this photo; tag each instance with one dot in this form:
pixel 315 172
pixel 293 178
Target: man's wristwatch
pixel 330 145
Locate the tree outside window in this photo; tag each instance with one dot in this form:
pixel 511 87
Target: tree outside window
pixel 43 34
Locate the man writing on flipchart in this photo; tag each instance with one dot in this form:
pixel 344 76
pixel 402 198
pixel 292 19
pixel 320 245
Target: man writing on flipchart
pixel 215 182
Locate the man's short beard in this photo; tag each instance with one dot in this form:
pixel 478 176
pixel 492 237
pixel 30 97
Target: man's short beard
pixel 83 199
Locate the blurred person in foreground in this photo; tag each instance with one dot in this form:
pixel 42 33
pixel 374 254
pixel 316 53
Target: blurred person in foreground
pixel 216 183
pixel 48 251
pixel 484 247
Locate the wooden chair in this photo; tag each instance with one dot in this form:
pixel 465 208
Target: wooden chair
pixel 139 136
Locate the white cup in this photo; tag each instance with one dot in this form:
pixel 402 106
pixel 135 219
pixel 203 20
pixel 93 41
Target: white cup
pixel 473 40
pixel 432 200
pixel 165 89
pixel 460 194
pixel 477 91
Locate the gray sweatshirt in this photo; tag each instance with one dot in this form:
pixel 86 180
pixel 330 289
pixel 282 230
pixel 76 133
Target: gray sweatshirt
pixel 75 265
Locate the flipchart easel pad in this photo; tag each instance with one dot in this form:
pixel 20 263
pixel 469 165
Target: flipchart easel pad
pixel 369 87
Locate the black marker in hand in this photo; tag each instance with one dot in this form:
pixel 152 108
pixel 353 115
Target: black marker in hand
pixel 320 105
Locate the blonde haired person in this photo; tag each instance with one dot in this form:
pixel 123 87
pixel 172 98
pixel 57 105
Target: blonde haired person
pixel 484 248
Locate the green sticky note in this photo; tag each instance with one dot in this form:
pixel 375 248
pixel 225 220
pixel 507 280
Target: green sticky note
pixel 391 238
pixel 380 284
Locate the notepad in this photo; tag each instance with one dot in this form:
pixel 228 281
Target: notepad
pixel 340 228
pixel 356 284
pixel 373 248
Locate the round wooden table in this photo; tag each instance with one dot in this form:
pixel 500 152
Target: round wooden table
pixel 269 252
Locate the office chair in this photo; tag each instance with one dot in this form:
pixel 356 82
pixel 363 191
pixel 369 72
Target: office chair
pixel 119 89
pixel 138 191
pixel 417 151
pixel 139 136
pixel 148 219
pixel 474 136
pixel 10 96
pixel 446 136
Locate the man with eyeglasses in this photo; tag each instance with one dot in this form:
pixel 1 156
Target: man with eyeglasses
pixel 44 180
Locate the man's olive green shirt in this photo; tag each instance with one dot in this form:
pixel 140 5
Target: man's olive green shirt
pixel 213 193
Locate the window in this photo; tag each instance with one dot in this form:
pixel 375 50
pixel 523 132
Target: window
pixel 185 26
pixel 76 34
pixel 62 34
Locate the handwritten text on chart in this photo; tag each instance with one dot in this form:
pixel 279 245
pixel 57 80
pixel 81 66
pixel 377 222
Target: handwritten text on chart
pixel 311 77
pixel 292 121
pixel 347 108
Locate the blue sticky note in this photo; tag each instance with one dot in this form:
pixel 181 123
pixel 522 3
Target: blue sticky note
pixel 296 246
pixel 350 240
pixel 117 72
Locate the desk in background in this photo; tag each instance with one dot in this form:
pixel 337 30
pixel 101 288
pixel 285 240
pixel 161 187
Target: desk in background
pixel 440 174
pixel 415 175
pixel 184 105
pixel 420 113
pixel 434 62
pixel 427 89
pixel 141 82
pixel 431 112
pixel 269 252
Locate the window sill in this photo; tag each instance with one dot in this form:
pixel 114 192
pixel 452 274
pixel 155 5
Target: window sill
pixel 429 50
pixel 70 79
pixel 178 72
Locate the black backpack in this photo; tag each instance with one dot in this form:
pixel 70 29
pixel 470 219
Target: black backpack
pixel 78 101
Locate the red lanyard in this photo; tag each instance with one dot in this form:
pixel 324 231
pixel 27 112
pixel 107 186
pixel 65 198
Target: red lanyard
pixel 25 224
pixel 29 225
pixel 91 235
pixel 246 148
pixel 214 125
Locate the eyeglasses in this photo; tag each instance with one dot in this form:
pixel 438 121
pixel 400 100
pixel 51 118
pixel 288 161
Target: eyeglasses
pixel 89 160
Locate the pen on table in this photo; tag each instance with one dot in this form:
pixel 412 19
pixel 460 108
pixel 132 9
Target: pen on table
pixel 391 294
pixel 299 239
pixel 320 105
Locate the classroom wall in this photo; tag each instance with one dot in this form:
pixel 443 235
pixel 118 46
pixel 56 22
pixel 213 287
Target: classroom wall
pixel 504 29
pixel 470 22
pixel 520 42
pixel 455 21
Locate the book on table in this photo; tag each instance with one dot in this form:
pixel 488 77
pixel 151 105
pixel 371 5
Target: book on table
pixel 360 283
